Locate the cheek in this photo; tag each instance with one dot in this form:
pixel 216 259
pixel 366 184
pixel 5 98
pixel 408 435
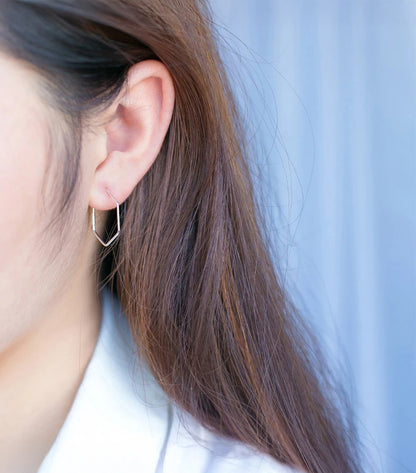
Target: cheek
pixel 22 167
pixel 34 264
pixel 31 271
pixel 23 160
pixel 23 155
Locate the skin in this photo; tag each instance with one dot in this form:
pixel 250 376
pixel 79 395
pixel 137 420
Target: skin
pixel 50 310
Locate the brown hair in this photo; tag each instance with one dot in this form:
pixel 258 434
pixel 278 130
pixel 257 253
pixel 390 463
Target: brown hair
pixel 192 270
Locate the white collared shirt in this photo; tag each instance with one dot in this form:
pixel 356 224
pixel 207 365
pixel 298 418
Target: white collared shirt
pixel 122 422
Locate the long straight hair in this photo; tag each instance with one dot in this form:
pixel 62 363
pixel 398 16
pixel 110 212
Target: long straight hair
pixel 191 268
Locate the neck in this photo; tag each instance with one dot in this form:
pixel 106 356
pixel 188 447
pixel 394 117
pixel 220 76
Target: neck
pixel 41 372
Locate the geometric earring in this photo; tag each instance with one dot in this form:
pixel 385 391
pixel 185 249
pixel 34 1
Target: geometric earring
pixel 118 224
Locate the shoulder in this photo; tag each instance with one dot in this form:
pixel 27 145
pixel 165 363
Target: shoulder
pixel 191 447
pixel 121 420
pixel 181 442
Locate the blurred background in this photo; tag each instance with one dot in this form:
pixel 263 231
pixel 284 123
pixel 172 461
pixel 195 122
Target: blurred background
pixel 329 92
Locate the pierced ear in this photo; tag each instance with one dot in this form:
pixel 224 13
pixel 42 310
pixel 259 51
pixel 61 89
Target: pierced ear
pixel 135 133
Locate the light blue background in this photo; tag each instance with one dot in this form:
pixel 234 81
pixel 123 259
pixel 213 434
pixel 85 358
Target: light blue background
pixel 331 98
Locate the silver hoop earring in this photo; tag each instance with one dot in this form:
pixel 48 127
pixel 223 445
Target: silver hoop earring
pixel 118 224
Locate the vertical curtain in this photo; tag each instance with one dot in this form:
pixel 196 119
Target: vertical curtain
pixel 329 99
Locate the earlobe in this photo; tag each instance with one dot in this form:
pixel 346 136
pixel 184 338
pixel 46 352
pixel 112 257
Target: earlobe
pixel 139 122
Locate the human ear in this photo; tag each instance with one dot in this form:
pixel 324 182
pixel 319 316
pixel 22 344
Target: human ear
pixel 134 133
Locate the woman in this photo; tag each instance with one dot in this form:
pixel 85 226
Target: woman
pixel 124 181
